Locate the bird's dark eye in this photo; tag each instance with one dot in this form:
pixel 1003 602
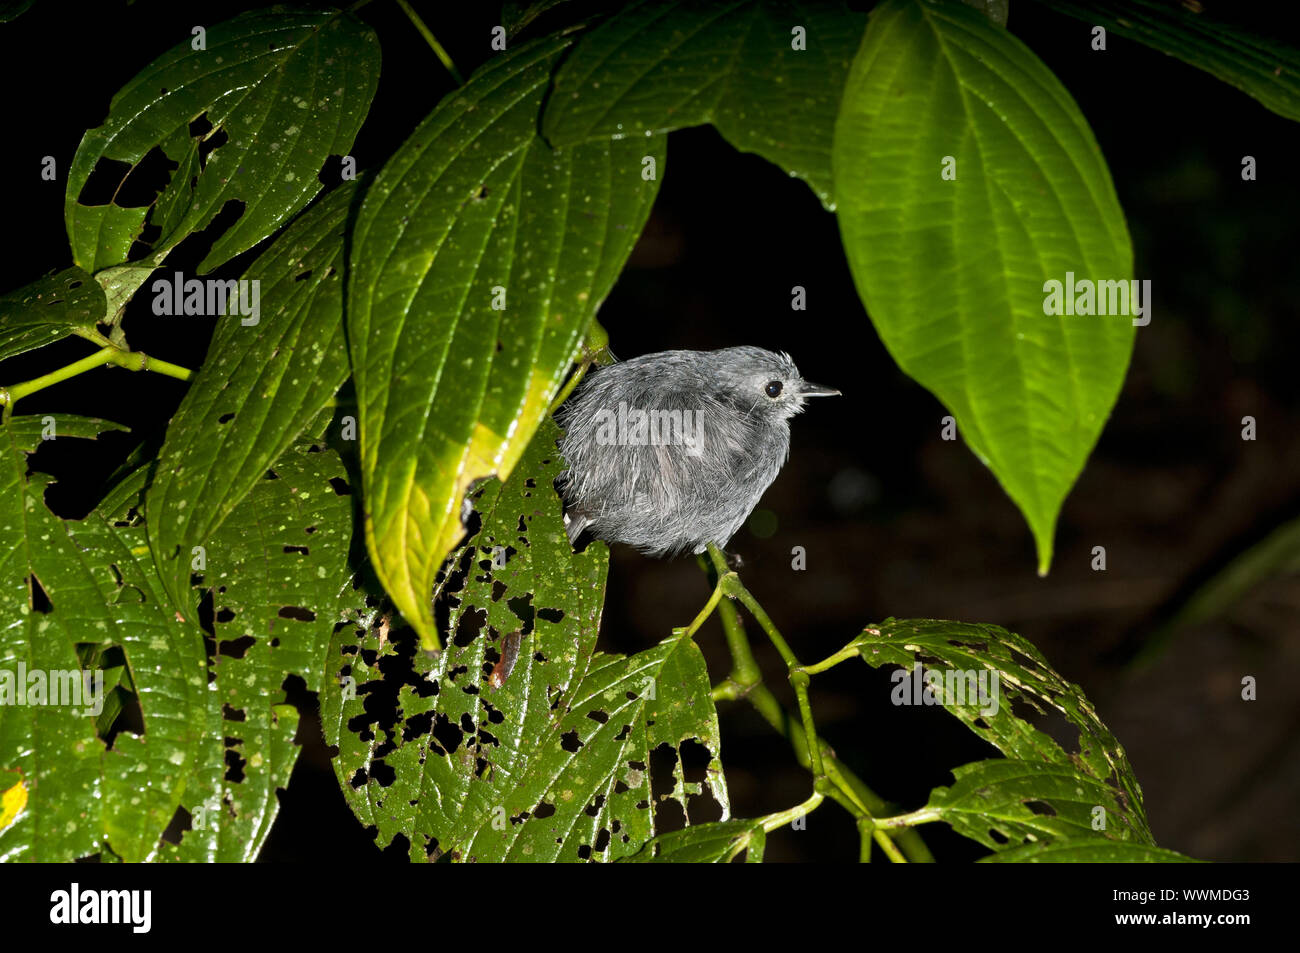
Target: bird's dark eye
pixel 773 389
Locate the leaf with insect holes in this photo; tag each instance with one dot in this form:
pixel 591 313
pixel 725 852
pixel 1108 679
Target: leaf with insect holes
pixel 89 583
pixel 219 739
pixel 953 268
pixel 143 774
pixel 767 74
pixel 479 259
pixel 278 571
pixel 577 755
pixel 1005 804
pixel 242 126
pixel 49 310
pixel 40 742
pixel 960 662
pixel 259 387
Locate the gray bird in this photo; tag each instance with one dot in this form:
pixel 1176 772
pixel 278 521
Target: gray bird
pixel 669 452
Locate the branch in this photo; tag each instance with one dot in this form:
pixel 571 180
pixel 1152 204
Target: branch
pixel 429 38
pixel 131 360
pixel 831 778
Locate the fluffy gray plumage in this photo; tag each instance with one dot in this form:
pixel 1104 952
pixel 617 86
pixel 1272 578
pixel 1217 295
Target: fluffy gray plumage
pixel 716 433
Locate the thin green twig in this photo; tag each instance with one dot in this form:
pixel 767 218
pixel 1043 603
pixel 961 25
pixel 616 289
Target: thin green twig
pixel 890 847
pixel 569 385
pixel 432 40
pixel 923 816
pixel 865 832
pixel 131 360
pixel 689 631
pixel 745 673
pixel 745 682
pixel 844 654
pixel 781 818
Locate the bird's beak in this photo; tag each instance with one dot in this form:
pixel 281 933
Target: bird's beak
pixel 808 389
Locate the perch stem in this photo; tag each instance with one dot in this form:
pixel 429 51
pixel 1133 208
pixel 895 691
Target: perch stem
pixel 745 682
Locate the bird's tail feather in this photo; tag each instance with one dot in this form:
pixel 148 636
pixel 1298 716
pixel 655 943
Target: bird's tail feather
pixel 574 524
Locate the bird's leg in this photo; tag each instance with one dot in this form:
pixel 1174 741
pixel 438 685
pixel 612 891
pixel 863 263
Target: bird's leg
pixel 734 562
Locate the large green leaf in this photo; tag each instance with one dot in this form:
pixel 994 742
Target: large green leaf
pixel 97 589
pixel 655 67
pixel 279 576
pixel 259 387
pixel 546 759
pixel 1025 681
pixel 49 310
pixel 1256 64
pixel 278 91
pixel 475 210
pixel 953 272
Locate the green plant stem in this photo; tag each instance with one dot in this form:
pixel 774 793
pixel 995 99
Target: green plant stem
pixel 730 584
pixel 432 40
pixel 745 682
pixel 595 350
pixel 852 793
pixel 93 336
pixel 689 631
pixel 922 816
pixel 781 818
pixel 737 591
pixel 848 652
pixel 140 361
pixel 801 681
pixel 866 832
pixel 744 668
pixel 131 360
pixel 743 845
pixel 569 385
pixel 890 848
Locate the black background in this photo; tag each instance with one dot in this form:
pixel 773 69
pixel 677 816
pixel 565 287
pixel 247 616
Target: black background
pixel 895 521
